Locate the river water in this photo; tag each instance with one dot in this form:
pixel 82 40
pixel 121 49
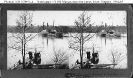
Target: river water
pixel 104 46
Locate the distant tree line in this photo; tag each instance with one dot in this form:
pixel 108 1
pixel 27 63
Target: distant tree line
pixel 67 29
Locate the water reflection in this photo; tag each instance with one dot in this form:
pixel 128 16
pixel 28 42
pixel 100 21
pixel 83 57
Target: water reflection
pixel 46 45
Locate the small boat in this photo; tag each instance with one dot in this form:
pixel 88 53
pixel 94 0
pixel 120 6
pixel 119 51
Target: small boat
pixel 103 33
pixel 113 33
pixel 110 33
pixel 51 33
pixel 117 34
pixel 44 33
pixel 54 33
pixel 59 34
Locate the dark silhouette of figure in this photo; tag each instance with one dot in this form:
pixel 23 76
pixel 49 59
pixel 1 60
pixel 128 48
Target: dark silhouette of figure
pixel 88 55
pixel 77 62
pixel 37 58
pixel 19 62
pixel 87 64
pixel 95 58
pixel 29 65
pixel 30 55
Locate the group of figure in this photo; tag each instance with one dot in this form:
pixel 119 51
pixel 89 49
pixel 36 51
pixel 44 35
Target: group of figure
pixel 33 60
pixel 91 59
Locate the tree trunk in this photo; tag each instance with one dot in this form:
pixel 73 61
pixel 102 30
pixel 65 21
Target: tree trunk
pixel 80 54
pixel 81 47
pixel 24 43
pixel 24 51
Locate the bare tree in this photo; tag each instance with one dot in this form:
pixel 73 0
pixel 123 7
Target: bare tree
pixel 78 40
pixel 21 38
pixel 59 56
pixel 115 56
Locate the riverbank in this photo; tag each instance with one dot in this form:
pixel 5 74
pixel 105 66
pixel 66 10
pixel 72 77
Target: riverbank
pixel 66 29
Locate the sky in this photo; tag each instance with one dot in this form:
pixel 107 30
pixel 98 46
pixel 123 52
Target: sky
pixel 68 17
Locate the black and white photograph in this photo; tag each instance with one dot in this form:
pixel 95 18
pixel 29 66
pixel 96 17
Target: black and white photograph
pixel 66 39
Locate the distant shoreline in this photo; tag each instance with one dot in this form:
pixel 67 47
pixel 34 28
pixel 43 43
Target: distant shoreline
pixel 67 29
